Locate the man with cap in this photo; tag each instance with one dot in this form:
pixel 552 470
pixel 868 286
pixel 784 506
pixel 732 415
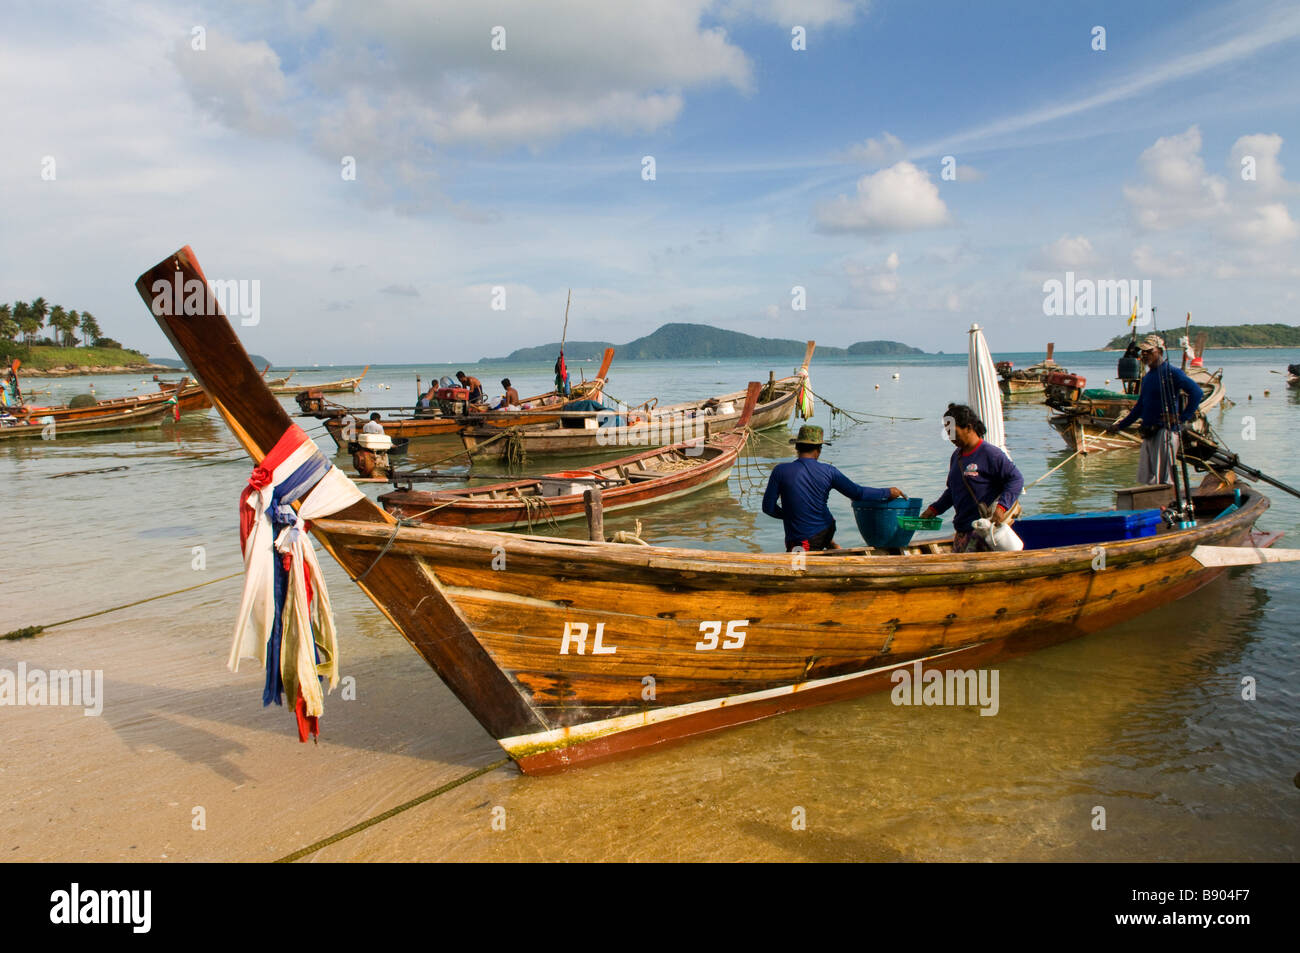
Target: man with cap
pixel 1155 464
pixel 797 492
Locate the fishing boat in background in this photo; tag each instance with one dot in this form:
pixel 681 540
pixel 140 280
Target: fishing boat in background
pixel 1029 381
pixel 453 413
pixel 646 425
pixel 346 385
pixel 1082 415
pixel 279 381
pixel 652 476
pixel 192 398
pixel 574 651
pixel 48 426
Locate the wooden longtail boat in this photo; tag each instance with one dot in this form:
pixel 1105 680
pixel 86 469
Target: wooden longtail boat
pixel 1028 381
pixel 129 418
pixel 656 427
pixel 572 651
pixel 109 407
pixel 1082 423
pixel 347 385
pixel 280 381
pixel 192 398
pixel 652 476
pixel 436 423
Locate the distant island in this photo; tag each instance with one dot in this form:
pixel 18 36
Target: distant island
pixel 1223 336
pixel 687 341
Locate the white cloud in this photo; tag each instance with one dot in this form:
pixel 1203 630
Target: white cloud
pixel 1150 264
pixel 240 84
pixel 1262 150
pixel 1178 193
pixel 806 13
pixel 1067 252
pixel 878 152
pixel 898 198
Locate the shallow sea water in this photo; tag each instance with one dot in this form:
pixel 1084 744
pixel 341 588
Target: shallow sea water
pixel 1145 719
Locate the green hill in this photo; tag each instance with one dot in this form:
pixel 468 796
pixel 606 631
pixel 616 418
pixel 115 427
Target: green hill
pixel 695 341
pixel 573 351
pixel 1235 335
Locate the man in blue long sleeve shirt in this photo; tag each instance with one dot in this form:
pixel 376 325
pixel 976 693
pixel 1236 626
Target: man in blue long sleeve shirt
pixel 802 487
pixel 1155 464
pixel 978 473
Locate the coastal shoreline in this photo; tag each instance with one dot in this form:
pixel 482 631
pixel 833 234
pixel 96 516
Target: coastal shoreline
pixel 85 370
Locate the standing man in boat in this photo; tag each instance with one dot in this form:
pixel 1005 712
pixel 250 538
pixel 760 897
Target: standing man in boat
pixel 473 384
pixel 1161 424
pixel 981 479
pixel 802 487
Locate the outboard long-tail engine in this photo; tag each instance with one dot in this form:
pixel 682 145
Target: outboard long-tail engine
pixel 1129 369
pixel 370 453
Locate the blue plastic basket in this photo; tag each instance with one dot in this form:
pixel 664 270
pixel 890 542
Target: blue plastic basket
pixel 878 520
pixel 1060 529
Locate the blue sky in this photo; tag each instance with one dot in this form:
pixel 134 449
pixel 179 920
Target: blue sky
pixel 521 168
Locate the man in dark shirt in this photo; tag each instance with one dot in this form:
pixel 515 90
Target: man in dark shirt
pixel 1154 462
pixel 979 474
pixel 803 485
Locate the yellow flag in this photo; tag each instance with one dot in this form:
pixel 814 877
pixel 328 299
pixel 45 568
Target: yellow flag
pixel 1134 316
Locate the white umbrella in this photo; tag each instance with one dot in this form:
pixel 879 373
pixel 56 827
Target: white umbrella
pixel 984 396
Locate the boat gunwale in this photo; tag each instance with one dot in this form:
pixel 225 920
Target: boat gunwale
pixel 911 568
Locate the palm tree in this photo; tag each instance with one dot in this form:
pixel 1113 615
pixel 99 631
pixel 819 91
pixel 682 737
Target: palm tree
pixel 74 322
pixel 59 324
pixel 38 309
pixel 8 326
pixel 89 329
pixel 27 323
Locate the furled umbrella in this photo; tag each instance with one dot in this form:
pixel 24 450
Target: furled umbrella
pixel 985 398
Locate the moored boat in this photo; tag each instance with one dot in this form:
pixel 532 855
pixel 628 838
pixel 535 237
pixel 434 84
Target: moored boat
pixel 448 420
pixel 346 385
pixel 50 427
pixel 652 476
pixel 646 426
pixel 1027 381
pixel 571 651
pixel 1082 416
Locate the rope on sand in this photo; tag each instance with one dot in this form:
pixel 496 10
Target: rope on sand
pixel 391 812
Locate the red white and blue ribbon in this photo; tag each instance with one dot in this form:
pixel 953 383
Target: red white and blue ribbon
pixel 285 621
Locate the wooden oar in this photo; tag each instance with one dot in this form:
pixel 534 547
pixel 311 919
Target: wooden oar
pixel 1216 556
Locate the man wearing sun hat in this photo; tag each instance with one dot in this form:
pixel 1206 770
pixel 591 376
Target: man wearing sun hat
pixel 1155 464
pixel 797 492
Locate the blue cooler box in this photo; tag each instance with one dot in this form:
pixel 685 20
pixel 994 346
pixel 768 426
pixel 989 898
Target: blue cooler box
pixel 878 520
pixel 1057 529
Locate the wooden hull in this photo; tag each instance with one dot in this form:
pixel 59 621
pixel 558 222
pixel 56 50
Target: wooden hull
pixel 150 415
pixel 1083 425
pixel 834 629
pixel 112 407
pixel 1020 388
pixel 193 399
pixel 415 428
pixel 569 651
pixel 609 440
pixel 468 507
